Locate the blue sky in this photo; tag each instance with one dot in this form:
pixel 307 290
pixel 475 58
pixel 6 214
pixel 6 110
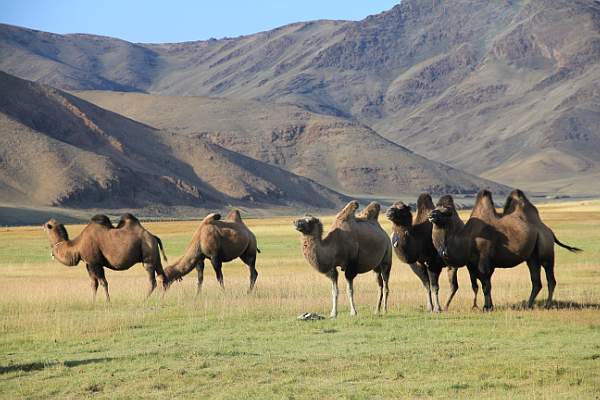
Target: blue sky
pixel 176 21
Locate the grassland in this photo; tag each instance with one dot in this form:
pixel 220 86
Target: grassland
pixel 55 343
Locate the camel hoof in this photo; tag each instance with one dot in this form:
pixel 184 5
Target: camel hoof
pixel 333 316
pixel 437 310
pixel 549 305
pixel 488 309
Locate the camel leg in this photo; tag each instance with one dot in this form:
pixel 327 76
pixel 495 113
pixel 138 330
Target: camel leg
pixel 453 279
pixel 474 286
pixel 333 275
pixel 151 279
pixel 94 280
pixel 200 271
pixel 421 272
pixel 350 279
pixel 218 266
pixel 380 284
pixel 549 268
pixel 250 261
pixel 103 282
pixel 536 280
pixel 385 274
pixel 434 282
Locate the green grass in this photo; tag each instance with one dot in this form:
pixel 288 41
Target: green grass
pixel 55 343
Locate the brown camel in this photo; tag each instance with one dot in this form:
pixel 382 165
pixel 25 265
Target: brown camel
pixel 491 240
pixel 220 241
pixel 356 245
pixel 411 240
pixel 101 246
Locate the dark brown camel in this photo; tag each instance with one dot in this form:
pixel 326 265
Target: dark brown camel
pixel 357 245
pixel 219 241
pixel 101 246
pixel 411 240
pixel 491 240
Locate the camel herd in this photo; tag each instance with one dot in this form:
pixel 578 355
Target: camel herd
pixel 435 238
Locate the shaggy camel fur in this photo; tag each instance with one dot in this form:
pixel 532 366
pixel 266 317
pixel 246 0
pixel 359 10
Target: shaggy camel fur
pixel 220 241
pixel 491 240
pixel 101 246
pixel 357 245
pixel 411 240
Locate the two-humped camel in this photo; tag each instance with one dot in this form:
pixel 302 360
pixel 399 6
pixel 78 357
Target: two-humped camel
pixel 100 246
pixel 356 244
pixel 411 240
pixel 219 241
pixel 491 240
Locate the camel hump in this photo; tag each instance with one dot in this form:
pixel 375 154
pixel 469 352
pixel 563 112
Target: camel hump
pixel 517 200
pixel 234 215
pixel 446 201
pixel 103 220
pixel 211 217
pixel 127 218
pixel 371 212
pixel 424 207
pixel 348 211
pixel 484 205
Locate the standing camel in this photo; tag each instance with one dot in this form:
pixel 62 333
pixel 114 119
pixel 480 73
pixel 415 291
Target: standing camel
pixel 411 240
pixel 101 246
pixel 220 241
pixel 357 245
pixel 491 240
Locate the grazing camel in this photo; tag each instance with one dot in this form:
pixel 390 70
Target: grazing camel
pixel 491 240
pixel 357 245
pixel 100 246
pixel 220 241
pixel 411 240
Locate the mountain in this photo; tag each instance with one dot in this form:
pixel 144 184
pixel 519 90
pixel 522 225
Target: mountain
pixel 57 149
pixel 336 152
pixel 507 90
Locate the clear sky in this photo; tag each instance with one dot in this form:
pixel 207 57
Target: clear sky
pixel 155 21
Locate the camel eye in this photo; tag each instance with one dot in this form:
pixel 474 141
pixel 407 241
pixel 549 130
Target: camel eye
pixel 48 226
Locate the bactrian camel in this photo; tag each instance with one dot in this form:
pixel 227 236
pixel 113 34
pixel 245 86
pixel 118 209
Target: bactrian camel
pixel 490 240
pixel 100 246
pixel 219 241
pixel 355 244
pixel 411 241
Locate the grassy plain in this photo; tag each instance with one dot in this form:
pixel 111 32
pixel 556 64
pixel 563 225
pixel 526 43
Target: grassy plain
pixel 55 343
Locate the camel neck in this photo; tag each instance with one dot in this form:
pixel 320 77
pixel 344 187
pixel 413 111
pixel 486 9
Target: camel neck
pixel 66 252
pixel 318 253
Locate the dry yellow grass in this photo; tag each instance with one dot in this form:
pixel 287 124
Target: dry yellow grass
pixel 50 328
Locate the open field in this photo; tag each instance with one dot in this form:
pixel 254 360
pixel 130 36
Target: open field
pixel 55 342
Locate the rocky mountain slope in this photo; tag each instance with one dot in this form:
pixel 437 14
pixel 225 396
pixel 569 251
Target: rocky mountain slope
pixel 57 149
pixel 505 89
pixel 333 151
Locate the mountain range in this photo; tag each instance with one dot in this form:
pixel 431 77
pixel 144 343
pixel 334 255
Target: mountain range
pixel 443 96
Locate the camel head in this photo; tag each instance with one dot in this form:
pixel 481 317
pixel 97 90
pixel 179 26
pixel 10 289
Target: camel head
pixel 56 231
pixel 442 214
pixel 400 214
pixel 309 225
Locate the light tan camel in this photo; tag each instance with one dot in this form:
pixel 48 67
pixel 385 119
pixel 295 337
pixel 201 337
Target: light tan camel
pixel 355 245
pixel 101 246
pixel 219 241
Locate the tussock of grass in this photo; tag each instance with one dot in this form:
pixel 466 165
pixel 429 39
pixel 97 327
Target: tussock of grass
pixel 55 343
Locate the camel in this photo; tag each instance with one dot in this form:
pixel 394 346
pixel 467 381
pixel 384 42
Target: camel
pixel 100 246
pixel 356 245
pixel 411 240
pixel 490 240
pixel 220 241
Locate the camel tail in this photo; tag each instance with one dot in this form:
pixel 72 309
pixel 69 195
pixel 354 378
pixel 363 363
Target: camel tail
pixel 162 250
pixel 570 248
pixel 257 250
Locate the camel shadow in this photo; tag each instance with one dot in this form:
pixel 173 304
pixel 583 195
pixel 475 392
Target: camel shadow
pixel 556 305
pixel 39 365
